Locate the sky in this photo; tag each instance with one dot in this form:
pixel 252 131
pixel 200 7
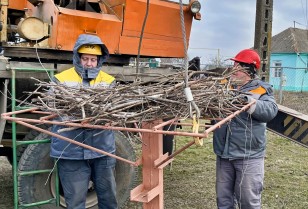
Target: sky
pixel 228 26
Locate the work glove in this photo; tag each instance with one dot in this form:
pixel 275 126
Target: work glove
pixel 248 99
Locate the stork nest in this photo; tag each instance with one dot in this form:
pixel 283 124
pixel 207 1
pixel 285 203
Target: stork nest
pixel 140 101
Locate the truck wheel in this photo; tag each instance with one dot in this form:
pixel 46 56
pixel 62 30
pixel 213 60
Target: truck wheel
pixel 21 148
pixel 39 187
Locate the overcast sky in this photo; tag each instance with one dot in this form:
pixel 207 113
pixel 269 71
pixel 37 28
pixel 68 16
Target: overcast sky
pixel 228 25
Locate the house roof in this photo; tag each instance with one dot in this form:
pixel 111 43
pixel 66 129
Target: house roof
pixel 290 40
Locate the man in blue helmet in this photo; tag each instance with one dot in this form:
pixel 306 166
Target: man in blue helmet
pixel 78 165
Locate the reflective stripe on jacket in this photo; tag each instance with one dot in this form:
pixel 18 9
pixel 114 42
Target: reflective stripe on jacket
pixel 71 78
pixel 98 138
pixel 245 135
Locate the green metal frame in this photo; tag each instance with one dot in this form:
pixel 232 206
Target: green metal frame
pixel 16 143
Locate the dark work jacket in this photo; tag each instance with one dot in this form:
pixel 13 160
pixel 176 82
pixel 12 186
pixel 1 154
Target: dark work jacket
pixel 245 135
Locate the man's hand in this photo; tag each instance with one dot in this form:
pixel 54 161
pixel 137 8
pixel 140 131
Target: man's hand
pixel 248 100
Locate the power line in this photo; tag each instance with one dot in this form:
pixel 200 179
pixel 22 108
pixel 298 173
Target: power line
pixel 305 13
pixel 298 23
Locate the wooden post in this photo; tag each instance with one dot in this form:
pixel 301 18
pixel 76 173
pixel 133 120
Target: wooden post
pixel 150 192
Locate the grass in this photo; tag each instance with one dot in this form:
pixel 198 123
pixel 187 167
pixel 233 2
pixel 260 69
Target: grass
pixel 190 181
pixel 286 177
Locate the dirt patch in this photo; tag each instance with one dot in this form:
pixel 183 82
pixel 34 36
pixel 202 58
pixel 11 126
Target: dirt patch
pixel 296 101
pixel 6 184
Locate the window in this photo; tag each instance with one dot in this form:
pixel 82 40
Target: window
pixel 277 69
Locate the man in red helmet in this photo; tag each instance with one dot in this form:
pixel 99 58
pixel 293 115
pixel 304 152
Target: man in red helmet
pixel 240 144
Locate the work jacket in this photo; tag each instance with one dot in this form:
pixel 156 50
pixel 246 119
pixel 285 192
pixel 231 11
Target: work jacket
pixel 245 135
pixel 98 138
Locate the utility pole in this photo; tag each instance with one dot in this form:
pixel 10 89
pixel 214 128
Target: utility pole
pixel 263 34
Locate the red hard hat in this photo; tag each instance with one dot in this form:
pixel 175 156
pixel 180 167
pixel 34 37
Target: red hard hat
pixel 248 56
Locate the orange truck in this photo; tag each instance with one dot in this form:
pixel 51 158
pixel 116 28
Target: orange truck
pixel 39 35
pixel 52 26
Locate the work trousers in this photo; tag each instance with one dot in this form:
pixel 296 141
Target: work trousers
pixel 239 182
pixel 75 176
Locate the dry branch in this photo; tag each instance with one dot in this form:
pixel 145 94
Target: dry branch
pixel 136 102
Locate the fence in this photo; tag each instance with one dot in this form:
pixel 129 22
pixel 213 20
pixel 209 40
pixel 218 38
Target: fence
pixel 288 81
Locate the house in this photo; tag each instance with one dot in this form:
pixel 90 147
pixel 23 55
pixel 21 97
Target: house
pixel 289 60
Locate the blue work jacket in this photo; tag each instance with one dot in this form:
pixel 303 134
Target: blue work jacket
pixel 98 138
pixel 245 135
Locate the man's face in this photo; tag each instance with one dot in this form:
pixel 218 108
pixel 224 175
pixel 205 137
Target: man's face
pixel 239 75
pixel 88 60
